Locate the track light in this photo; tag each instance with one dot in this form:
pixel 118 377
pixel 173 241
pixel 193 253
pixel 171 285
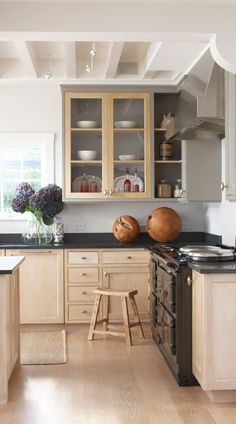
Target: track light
pixel 92 52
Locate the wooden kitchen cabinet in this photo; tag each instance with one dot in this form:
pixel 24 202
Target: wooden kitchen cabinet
pixel 116 268
pixel 191 160
pixel 214 334
pixel 127 270
pixel 41 287
pixel 229 185
pixel 82 276
pixel 113 125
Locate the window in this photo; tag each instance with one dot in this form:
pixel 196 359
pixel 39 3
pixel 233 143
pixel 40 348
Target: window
pixel 24 157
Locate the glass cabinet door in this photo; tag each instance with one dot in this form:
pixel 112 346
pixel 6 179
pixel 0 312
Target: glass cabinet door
pixel 85 130
pixel 129 145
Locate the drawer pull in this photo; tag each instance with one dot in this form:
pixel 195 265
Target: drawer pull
pixel 83 257
pixel 84 293
pixel 105 274
pixel 83 274
pixel 129 257
pixel 84 312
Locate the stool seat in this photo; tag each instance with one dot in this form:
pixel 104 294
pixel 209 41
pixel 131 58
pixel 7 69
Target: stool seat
pixel 124 295
pixel 115 292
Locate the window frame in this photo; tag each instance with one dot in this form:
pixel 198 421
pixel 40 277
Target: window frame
pixel 47 141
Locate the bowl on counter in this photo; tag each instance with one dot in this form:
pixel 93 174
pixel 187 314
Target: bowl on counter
pixel 86 124
pixel 86 154
pixel 125 124
pixel 127 157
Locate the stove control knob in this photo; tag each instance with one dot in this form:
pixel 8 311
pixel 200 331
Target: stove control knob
pixel 189 281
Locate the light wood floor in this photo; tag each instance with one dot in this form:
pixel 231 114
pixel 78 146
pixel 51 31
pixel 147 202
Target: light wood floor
pixel 107 382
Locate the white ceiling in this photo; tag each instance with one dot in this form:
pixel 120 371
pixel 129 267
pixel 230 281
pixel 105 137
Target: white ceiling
pixel 159 62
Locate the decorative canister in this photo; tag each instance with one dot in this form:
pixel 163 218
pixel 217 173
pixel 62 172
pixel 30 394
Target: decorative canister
pixel 164 189
pixel 166 150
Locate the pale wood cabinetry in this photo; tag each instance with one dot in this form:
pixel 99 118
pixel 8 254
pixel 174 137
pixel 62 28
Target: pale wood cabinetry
pixel 214 318
pixel 115 130
pixel 127 270
pixel 82 276
pixel 41 287
pixel 114 268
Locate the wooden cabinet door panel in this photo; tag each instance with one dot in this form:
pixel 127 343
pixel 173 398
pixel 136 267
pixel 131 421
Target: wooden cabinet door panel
pixel 127 278
pixel 41 286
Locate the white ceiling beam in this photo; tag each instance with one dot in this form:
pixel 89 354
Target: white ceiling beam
pixel 70 59
pixel 113 59
pixel 27 56
pixel 153 49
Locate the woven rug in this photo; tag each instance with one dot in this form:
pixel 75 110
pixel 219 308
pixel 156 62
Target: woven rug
pixel 46 347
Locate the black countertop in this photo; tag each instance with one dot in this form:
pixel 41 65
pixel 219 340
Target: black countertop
pixel 108 241
pixel 104 241
pixel 9 264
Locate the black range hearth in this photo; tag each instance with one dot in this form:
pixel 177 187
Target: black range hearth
pixel 171 311
pixel 171 302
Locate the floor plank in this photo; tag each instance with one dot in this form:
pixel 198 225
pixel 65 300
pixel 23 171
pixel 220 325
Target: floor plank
pixel 107 382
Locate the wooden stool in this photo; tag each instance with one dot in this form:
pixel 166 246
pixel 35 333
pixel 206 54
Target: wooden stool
pixel 124 295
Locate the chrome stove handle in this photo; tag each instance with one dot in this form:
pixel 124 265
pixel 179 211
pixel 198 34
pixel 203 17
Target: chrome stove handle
pixel 189 281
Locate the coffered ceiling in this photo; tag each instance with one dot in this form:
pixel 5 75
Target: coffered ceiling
pixel 161 62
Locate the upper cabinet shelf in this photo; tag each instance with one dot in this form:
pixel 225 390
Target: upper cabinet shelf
pixel 114 129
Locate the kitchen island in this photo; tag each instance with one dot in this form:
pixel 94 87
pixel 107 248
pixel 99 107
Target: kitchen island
pixel 9 320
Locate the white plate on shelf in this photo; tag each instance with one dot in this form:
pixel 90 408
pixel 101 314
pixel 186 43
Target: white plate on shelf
pixel 86 124
pixel 76 183
pixel 119 183
pixel 127 157
pixel 125 124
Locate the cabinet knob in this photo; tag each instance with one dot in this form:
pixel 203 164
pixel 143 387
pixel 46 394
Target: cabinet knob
pixel 105 274
pixel 84 312
pixel 83 257
pixel 129 257
pixel 223 186
pixel 189 281
pixel 83 274
pixel 84 292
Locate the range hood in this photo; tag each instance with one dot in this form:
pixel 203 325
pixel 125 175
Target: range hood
pixel 200 109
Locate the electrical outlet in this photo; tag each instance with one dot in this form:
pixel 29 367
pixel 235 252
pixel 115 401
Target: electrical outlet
pixel 185 225
pixel 79 226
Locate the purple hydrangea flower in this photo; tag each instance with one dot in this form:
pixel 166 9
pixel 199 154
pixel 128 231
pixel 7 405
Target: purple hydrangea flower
pixel 18 203
pixel 25 189
pixel 48 200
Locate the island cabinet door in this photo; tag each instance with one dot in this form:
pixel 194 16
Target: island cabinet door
pixel 127 278
pixel 41 286
pixel 214 335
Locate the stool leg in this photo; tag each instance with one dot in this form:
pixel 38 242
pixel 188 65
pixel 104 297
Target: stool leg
pixel 126 320
pixel 94 316
pixel 136 317
pixel 106 313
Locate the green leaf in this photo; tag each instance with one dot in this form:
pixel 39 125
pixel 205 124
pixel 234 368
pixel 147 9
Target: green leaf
pixel 47 220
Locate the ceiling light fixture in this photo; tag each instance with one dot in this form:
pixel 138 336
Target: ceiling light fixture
pixel 48 73
pixel 92 52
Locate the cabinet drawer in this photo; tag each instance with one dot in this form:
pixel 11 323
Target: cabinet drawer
pixel 125 257
pixel 80 313
pixel 82 258
pixel 83 275
pixel 81 294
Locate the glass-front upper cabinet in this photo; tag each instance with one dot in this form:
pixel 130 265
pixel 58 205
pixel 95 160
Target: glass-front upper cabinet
pixel 129 145
pixel 85 145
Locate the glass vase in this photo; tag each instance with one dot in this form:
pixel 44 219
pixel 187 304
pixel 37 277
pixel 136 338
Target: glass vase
pixel 36 232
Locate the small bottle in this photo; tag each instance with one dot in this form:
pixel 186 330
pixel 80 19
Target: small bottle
pixel 136 181
pixel 127 182
pixel 166 150
pixel 84 185
pixel 177 189
pixel 93 185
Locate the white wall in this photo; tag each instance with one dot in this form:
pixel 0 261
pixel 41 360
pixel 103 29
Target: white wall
pixel 38 108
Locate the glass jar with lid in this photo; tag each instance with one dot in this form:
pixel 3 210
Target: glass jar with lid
pixel 178 189
pixel 164 189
